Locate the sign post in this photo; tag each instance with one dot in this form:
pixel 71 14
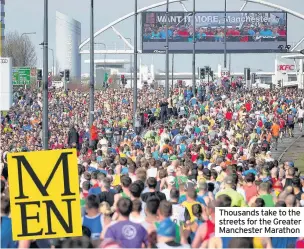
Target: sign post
pixel 22 75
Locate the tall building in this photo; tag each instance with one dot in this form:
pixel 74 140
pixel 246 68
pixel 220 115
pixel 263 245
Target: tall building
pixel 68 38
pixel 2 24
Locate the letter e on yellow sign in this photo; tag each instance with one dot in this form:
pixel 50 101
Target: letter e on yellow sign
pixel 44 194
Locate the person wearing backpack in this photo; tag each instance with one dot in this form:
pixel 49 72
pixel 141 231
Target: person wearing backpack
pixel 265 144
pixel 267 124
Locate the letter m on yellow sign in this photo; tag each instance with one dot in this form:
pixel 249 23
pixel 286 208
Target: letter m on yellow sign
pixel 44 194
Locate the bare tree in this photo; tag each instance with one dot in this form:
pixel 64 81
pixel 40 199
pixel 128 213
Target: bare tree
pixel 20 49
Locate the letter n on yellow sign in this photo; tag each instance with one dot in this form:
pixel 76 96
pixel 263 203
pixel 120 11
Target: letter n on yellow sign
pixel 44 194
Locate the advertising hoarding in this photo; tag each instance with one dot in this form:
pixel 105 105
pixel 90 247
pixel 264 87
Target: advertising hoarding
pixel 6 89
pixel 246 32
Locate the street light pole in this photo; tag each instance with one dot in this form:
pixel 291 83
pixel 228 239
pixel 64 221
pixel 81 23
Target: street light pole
pixel 131 71
pixel 45 122
pixel 135 63
pixel 53 68
pixel 172 71
pixel 30 33
pixel 53 60
pixel 167 51
pixel 225 38
pixel 91 109
pixel 193 52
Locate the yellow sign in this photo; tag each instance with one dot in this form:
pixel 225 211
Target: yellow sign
pixel 44 194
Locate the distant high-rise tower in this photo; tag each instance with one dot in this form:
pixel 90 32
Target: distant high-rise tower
pixel 2 24
pixel 68 38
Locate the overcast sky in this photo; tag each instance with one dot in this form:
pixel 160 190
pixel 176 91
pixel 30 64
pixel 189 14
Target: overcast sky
pixel 27 16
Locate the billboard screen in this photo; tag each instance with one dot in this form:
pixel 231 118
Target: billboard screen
pixel 246 32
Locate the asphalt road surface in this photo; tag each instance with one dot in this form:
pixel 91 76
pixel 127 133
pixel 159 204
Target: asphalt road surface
pixel 291 149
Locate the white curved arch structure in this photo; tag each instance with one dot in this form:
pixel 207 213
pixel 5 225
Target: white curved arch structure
pixel 276 6
pixel 279 7
pixel 126 17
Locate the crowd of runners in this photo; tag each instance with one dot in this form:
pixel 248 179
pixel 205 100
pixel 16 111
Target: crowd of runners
pixel 155 181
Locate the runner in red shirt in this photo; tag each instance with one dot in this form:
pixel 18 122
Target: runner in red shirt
pixel 229 115
pixel 248 106
pixel 282 124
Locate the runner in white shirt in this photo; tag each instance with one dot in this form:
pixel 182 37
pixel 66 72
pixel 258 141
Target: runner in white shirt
pixel 300 115
pixel 178 211
pixel 170 183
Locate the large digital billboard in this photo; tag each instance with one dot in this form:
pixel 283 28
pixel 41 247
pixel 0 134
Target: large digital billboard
pixel 246 32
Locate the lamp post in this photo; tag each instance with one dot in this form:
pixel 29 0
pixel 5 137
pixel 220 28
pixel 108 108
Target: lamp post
pixel 91 107
pixel 167 51
pixel 135 62
pixel 45 122
pixel 225 38
pixel 53 68
pixel 193 52
pixel 29 33
pixel 172 82
pixel 131 71
pixel 53 60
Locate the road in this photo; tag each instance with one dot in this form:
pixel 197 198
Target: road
pixel 291 149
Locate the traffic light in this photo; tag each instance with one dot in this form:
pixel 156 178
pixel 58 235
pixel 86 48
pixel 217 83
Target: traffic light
pixel 207 69
pixel 279 84
pixel 253 78
pixel 105 77
pixel 211 74
pixel 67 75
pixel 39 74
pixel 202 73
pixel 61 74
pixel 122 78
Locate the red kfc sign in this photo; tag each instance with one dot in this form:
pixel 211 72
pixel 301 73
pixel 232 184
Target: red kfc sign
pixel 286 67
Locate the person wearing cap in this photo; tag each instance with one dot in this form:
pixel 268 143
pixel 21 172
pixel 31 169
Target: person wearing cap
pixel 170 184
pixel 288 164
pixel 237 200
pixel 269 157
